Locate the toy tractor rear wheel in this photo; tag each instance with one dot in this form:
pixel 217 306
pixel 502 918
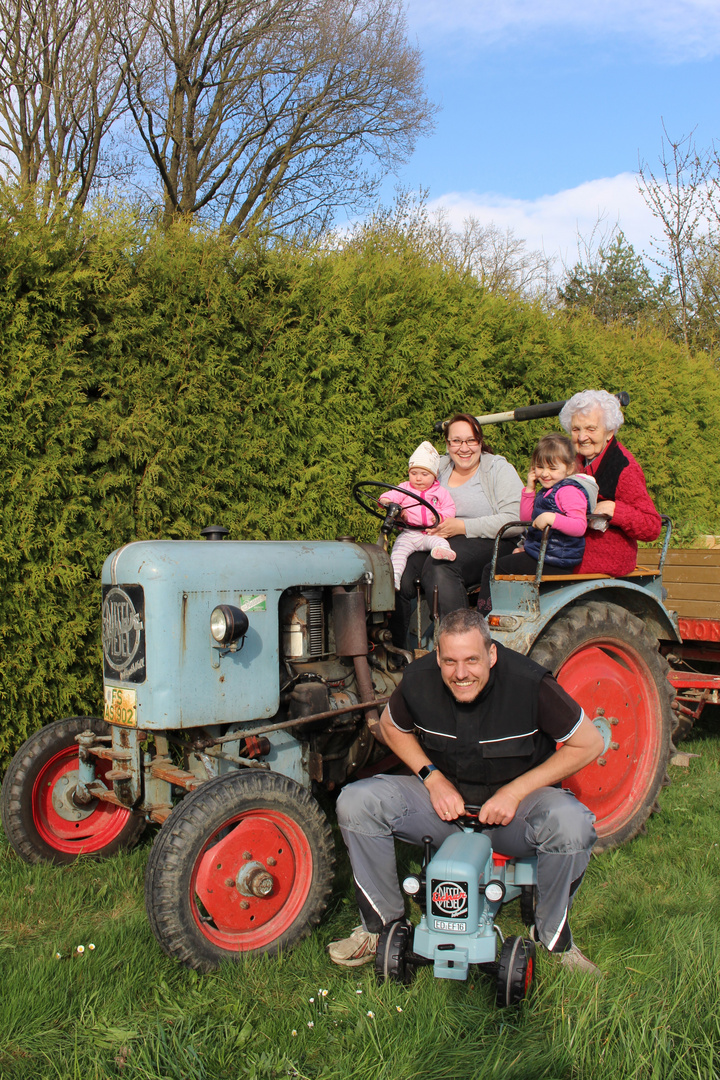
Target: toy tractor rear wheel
pixel 515 971
pixel 391 958
pixel 244 864
pixel 527 904
pixel 41 819
pixel 605 659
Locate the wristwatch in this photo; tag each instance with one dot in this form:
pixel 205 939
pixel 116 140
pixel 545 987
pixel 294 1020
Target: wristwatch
pixel 425 771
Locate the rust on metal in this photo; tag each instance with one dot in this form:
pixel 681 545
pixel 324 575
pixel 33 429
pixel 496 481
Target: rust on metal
pixel 165 770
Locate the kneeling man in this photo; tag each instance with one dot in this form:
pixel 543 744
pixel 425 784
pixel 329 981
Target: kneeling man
pixel 477 723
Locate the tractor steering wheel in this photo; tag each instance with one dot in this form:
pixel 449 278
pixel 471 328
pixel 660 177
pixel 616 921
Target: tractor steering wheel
pixel 389 519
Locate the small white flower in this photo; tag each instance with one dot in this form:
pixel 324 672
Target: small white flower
pixel 293 1032
pixel 358 991
pixel 398 1008
pixel 324 993
pixel 80 950
pixel 311 1000
pixel 58 956
pixel 91 947
pixel 371 1015
pixel 311 1023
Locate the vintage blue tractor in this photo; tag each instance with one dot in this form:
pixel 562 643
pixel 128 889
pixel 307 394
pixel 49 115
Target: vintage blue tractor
pixel 243 678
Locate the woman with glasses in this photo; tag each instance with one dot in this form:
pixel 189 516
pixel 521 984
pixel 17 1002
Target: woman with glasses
pixel 486 490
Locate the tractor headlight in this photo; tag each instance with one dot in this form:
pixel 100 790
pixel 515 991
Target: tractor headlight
pixel 494 891
pixel 228 624
pixel 411 885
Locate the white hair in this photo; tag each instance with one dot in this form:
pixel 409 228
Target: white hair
pixel 585 402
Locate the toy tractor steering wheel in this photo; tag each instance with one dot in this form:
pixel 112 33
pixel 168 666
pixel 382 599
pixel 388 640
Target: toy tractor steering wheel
pixel 391 517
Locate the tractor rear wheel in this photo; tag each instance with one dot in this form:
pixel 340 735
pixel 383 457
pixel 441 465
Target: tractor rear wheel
pixel 40 818
pixel 608 662
pixel 244 864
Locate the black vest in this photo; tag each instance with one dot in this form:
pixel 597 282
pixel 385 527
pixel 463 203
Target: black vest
pixel 484 744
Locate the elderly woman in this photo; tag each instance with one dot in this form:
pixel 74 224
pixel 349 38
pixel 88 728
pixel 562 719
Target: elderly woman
pixel 486 490
pixel 592 419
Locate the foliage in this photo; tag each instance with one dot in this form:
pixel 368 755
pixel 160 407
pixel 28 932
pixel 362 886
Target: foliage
pixel 153 382
pixel 614 286
pixel 648 914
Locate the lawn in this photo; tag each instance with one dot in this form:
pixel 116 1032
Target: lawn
pixel 648 914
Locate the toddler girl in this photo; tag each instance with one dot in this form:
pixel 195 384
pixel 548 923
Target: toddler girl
pixel 422 480
pixel 562 501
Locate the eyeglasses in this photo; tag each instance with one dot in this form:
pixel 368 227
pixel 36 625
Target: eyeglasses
pixel 455 444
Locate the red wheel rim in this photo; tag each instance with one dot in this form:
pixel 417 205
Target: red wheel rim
pixel 238 922
pixel 615 678
pixel 103 824
pixel 528 976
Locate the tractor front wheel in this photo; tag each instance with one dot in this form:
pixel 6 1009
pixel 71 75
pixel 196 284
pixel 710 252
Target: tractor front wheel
pixel 244 864
pixel 40 817
pixel 606 660
pixel 515 971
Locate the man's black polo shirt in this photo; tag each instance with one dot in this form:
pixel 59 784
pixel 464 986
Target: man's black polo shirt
pixel 512 726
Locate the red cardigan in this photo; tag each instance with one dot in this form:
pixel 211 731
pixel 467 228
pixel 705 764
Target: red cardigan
pixel 622 481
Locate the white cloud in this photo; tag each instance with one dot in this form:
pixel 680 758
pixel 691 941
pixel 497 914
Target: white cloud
pixel 552 223
pixel 678 29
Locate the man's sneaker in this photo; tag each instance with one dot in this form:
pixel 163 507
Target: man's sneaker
pixel 572 958
pixel 359 948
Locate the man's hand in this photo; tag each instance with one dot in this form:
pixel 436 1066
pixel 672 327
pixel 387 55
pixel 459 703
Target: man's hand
pixel 500 808
pixel 607 507
pixel 447 801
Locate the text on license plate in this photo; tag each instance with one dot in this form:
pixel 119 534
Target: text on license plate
pixel 443 924
pixel 121 705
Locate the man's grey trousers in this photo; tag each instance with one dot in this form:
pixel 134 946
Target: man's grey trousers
pixel 549 823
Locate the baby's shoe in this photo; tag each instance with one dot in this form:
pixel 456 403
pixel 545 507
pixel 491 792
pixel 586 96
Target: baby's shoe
pixel 446 553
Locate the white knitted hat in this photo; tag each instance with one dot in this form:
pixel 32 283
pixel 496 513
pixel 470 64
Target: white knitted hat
pixel 425 457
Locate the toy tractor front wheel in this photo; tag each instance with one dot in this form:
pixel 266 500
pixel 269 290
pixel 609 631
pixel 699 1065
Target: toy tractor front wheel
pixel 608 662
pixel 42 820
pixel 243 864
pixel 515 971
pixel 391 958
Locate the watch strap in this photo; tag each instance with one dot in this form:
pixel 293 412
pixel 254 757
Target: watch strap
pixel 425 771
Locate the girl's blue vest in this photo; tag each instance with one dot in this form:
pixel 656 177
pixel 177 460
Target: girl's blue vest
pixel 562 550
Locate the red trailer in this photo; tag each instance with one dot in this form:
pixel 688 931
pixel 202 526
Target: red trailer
pixel 692 579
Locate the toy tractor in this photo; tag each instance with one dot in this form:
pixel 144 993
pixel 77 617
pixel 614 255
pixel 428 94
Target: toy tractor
pixel 242 678
pixel 460 890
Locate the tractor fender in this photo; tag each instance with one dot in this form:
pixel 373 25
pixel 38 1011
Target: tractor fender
pixel 519 628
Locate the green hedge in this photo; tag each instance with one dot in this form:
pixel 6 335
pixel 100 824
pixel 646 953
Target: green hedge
pixel 153 383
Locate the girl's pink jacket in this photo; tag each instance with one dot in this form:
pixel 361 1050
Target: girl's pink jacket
pixel 415 514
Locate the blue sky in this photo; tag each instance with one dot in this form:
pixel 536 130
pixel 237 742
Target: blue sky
pixel 547 105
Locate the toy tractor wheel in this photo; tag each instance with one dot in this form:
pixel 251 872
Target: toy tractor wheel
pixel 527 904
pixel 391 963
pixel 515 971
pixel 244 864
pixel 40 817
pixel 605 659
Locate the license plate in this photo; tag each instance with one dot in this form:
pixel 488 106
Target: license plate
pixel 121 705
pixel 457 927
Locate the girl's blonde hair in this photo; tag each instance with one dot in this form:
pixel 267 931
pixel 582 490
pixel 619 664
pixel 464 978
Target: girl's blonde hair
pixel 552 449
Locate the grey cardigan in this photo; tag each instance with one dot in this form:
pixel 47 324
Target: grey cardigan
pixel 502 486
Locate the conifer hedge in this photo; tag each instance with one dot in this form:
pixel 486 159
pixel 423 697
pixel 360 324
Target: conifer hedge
pixel 155 382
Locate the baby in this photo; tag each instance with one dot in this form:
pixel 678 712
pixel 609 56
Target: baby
pixel 422 480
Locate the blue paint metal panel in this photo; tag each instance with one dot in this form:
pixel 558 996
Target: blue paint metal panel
pixel 187 681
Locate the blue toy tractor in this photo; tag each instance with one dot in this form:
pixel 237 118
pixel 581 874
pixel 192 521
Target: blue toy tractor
pixel 460 890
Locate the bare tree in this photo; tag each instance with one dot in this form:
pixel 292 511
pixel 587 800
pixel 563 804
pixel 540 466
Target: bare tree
pixel 61 89
pixel 678 196
pixel 277 110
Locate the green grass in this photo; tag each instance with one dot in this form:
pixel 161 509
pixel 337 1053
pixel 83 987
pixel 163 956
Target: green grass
pixel 648 914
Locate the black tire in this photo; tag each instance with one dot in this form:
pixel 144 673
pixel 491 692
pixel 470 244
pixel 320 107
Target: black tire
pixel 606 659
pixel 515 971
pixel 42 827
pixel 194 901
pixel 527 904
pixel 391 963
